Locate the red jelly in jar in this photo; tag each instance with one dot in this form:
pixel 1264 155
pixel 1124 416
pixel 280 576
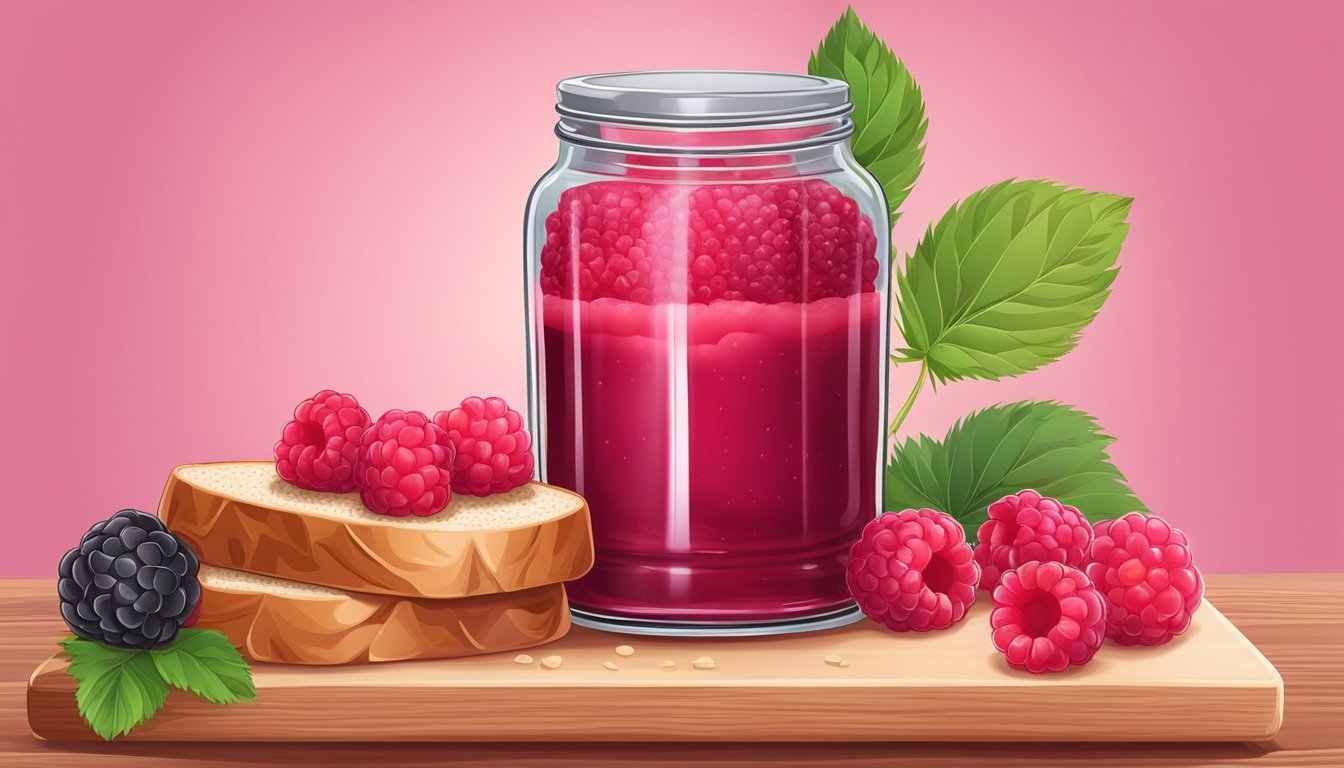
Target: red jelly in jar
pixel 708 300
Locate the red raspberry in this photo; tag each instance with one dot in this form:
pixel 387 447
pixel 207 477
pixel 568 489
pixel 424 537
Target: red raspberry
pixel 317 448
pixel 194 617
pixel 913 570
pixel 735 241
pixel 494 452
pixel 1143 566
pixel 404 466
pixel 1026 526
pixel 1046 617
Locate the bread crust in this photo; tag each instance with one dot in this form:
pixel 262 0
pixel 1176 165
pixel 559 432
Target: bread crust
pixel 376 558
pixel 351 628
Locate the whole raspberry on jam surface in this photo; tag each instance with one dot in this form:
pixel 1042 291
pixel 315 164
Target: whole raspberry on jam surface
pixel 317 447
pixel 404 465
pixel 912 570
pixel 494 452
pixel 1047 617
pixel 1142 565
pixel 769 242
pixel 1027 526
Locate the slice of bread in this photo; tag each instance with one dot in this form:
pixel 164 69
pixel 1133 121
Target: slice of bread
pixel 241 515
pixel 286 621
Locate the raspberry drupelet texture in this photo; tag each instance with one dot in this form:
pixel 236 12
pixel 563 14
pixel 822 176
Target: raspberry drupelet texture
pixel 795 241
pixel 494 452
pixel 317 447
pixel 1047 617
pixel 913 570
pixel 404 465
pixel 1142 565
pixel 1027 526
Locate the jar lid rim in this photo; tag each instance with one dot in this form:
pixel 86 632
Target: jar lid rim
pixel 708 98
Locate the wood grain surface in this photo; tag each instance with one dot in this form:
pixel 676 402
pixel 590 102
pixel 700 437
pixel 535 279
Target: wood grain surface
pixel 1298 621
pixel 1210 684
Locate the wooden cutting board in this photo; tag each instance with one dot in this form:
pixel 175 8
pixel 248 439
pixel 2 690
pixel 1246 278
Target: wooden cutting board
pixel 1209 685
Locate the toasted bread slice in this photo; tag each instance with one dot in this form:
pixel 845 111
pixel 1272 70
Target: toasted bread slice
pixel 241 515
pixel 273 619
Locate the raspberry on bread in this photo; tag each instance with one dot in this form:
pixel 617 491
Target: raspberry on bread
pixel 404 465
pixel 494 452
pixel 317 447
pixel 241 515
pixel 285 621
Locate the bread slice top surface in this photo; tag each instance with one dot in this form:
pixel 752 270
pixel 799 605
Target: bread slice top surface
pixel 215 577
pixel 255 482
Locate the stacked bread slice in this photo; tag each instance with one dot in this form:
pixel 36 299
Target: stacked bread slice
pixel 296 576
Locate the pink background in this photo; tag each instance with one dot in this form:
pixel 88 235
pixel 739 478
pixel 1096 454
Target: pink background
pixel 208 212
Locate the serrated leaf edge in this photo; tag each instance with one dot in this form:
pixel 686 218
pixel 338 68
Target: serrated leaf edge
pixel 910 319
pixel 914 457
pixel 842 44
pixel 84 683
pixel 129 655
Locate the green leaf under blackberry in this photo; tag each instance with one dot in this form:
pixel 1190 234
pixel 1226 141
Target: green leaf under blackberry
pixel 1006 281
pixel 1046 446
pixel 889 122
pixel 205 663
pixel 118 689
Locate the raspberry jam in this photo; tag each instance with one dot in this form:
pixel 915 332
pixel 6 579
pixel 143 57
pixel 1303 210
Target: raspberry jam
pixel 707 295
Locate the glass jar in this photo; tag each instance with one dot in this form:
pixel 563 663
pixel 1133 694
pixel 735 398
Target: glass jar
pixel 707 288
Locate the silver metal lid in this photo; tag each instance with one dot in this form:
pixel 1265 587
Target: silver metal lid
pixel 702 98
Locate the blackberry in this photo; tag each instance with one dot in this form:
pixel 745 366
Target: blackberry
pixel 130 583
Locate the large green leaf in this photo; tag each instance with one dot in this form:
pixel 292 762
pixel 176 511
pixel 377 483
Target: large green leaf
pixel 205 663
pixel 889 122
pixel 1045 446
pixel 118 688
pixel 1005 281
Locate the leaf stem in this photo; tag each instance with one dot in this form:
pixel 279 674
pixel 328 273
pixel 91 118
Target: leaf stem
pixel 909 401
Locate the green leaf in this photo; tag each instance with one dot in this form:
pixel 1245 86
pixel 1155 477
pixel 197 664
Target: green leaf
pixel 889 122
pixel 1042 445
pixel 118 688
pixel 1006 281
pixel 205 663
